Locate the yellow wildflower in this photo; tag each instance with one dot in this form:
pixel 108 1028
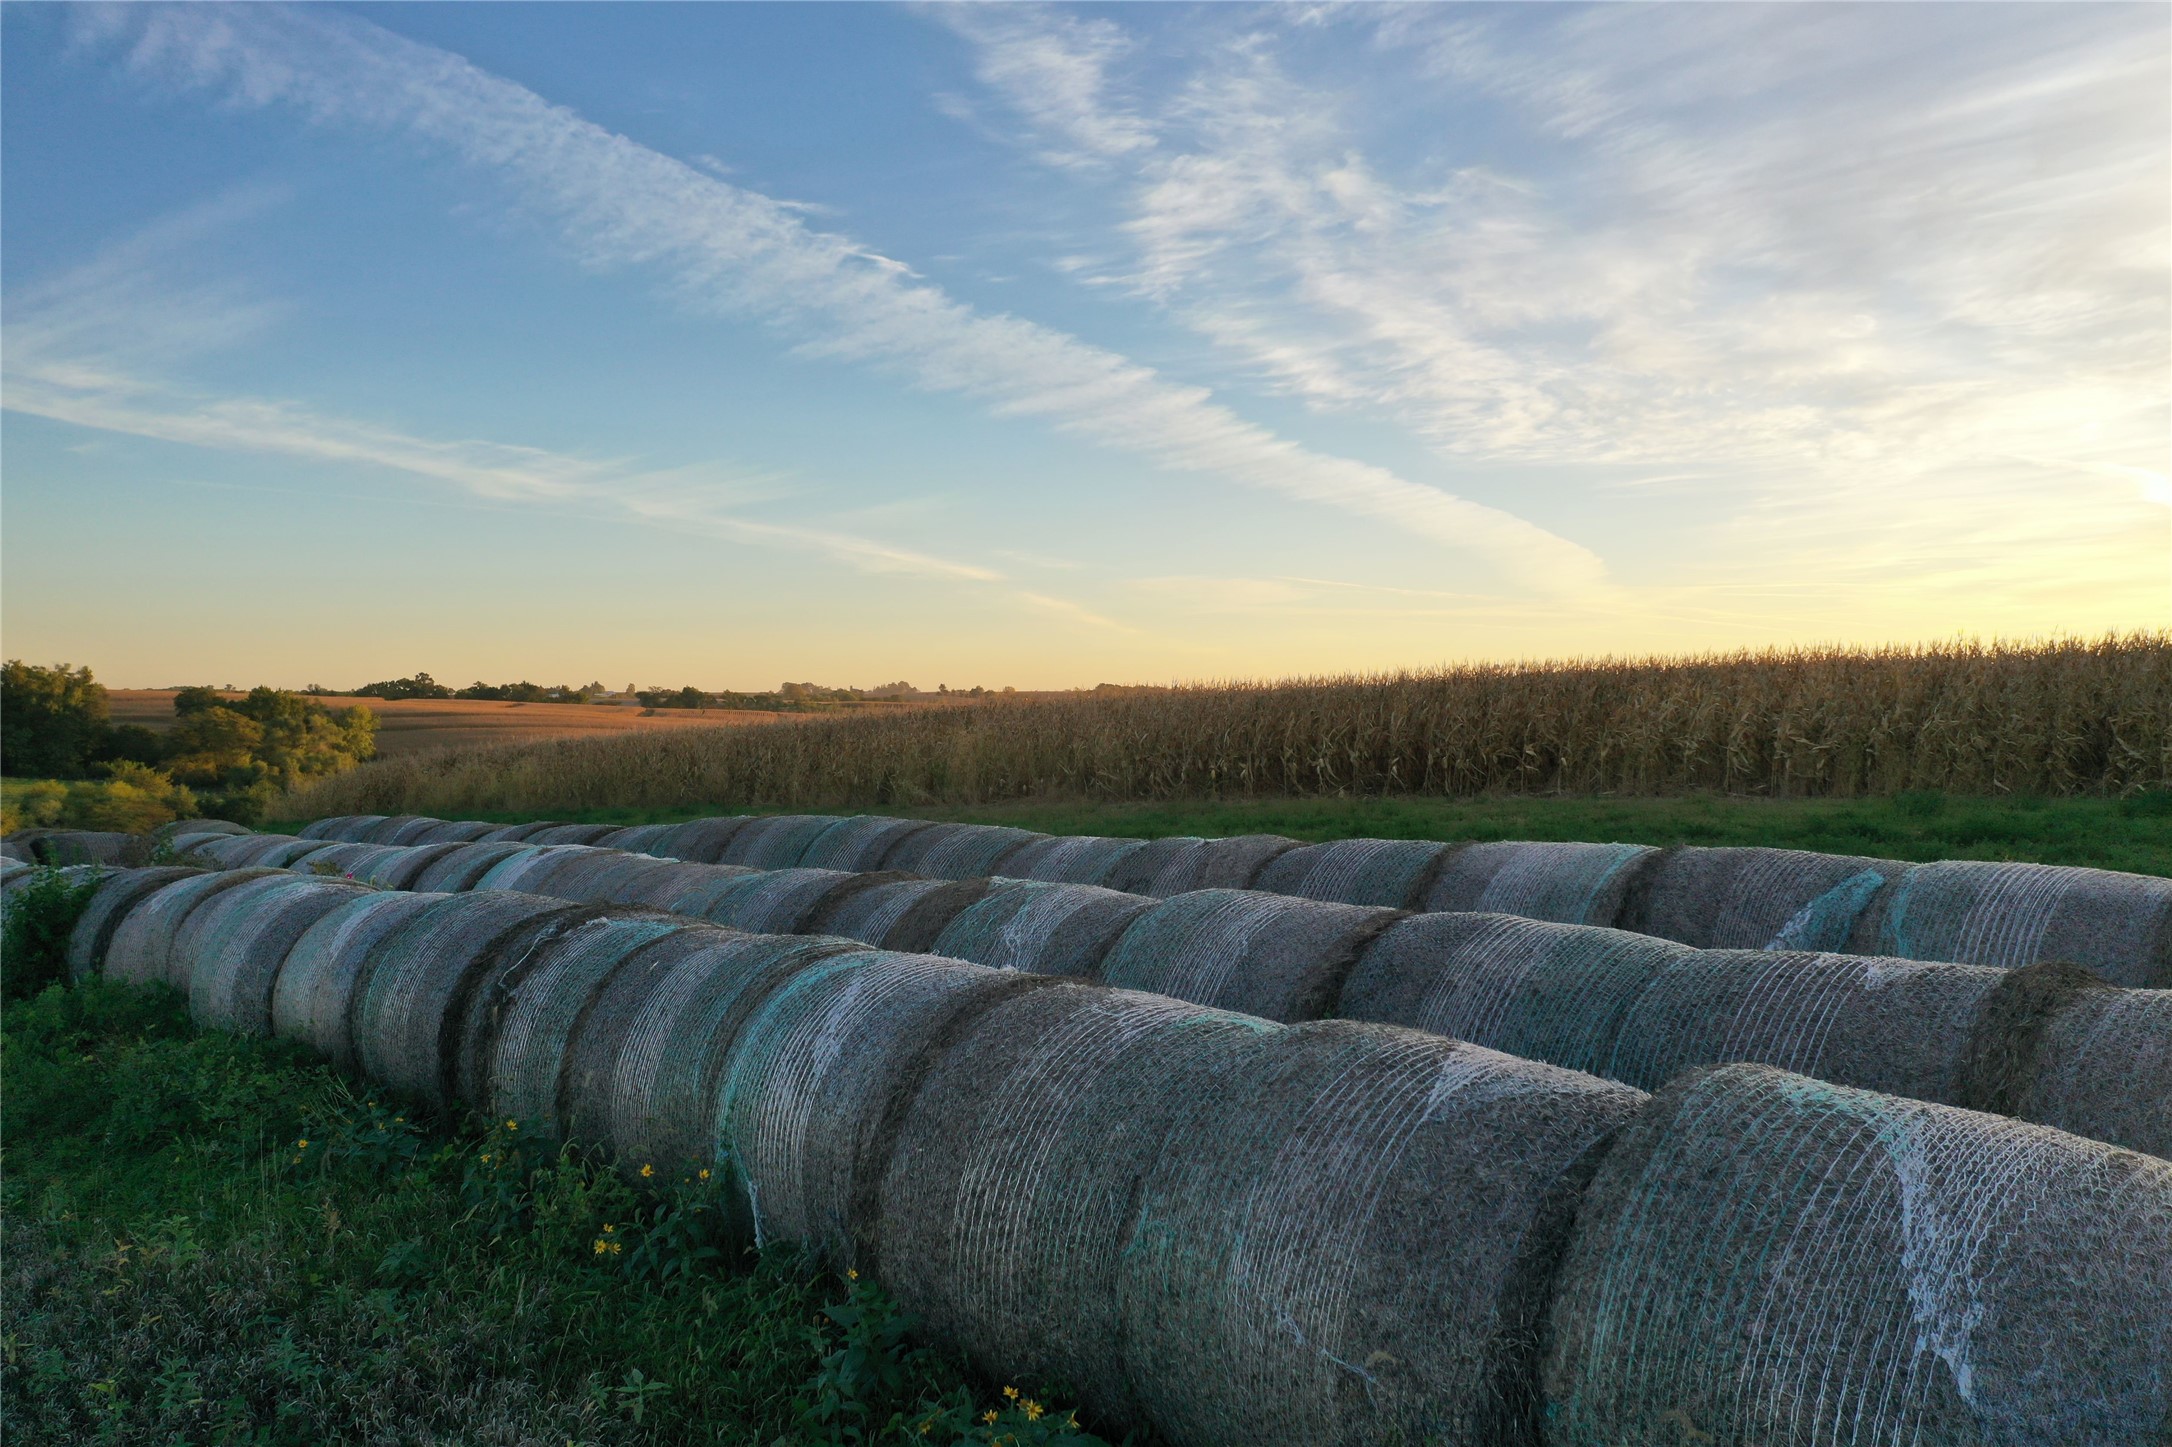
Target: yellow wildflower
pixel 989 1416
pixel 851 1274
pixel 512 1125
pixel 705 1173
pixel 647 1171
pixel 302 1144
pixel 1033 1409
pixel 608 1228
pixel 1011 1392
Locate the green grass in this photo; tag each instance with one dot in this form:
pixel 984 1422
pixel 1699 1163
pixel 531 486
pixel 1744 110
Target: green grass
pixel 213 1239
pixel 2133 834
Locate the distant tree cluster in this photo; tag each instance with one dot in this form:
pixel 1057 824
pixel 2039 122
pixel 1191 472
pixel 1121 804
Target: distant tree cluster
pixel 55 724
pixel 422 685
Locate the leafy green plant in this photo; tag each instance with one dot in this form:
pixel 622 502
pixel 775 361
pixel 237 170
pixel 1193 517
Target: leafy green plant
pixel 34 930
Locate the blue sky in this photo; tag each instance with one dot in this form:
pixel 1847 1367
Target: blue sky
pixel 1041 346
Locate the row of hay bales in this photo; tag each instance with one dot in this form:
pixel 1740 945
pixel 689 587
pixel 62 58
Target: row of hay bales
pixel 2050 1043
pixel 1232 1231
pixel 1972 912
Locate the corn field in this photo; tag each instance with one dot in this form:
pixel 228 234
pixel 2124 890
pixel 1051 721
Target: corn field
pixel 2066 717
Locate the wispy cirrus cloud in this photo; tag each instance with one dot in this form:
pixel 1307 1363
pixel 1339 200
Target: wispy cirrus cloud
pixel 1878 284
pixel 723 248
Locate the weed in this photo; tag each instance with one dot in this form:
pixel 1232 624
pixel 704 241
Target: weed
pixel 34 931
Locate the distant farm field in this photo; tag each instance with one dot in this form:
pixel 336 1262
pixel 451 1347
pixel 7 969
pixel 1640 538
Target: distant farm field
pixel 417 725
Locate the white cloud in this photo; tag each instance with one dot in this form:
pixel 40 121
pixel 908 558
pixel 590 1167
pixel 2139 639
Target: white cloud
pixel 732 250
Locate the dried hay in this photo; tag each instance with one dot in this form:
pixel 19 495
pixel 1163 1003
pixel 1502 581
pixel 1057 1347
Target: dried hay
pixel 292 853
pixel 1132 871
pixel 345 859
pixel 61 847
pixel 401 865
pixel 701 840
pixel 662 881
pixel 572 834
pixel 1072 859
pixel 858 843
pixel 1269 955
pixel 417 830
pixel 1565 883
pixel 634 839
pixel 313 994
pixel 461 831
pixel 962 851
pixel 388 830
pixel 1549 992
pixel 534 862
pixel 1231 863
pixel 545 1006
pixel 1897 1026
pixel 818 1081
pixel 342 829
pixel 1768 1259
pixel 118 893
pixel 662 1078
pixel 2103 1069
pixel 236 945
pixel 776 902
pixel 775 841
pixel 229 851
pixel 2009 915
pixel 1391 872
pixel 871 914
pixel 1755 899
pixel 928 914
pixel 519 833
pixel 176 827
pixel 458 870
pixel 140 950
pixel 1043 929
pixel 409 1005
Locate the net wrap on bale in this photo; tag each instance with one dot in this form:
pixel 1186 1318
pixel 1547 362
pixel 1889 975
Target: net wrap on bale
pixel 312 997
pixel 1754 899
pixel 1232 863
pixel 1270 955
pixel 118 892
pixel 1072 859
pixel 2010 915
pixel 1391 872
pixel 235 945
pixel 1044 929
pixel 858 843
pixel 1767 1258
pixel 2102 1068
pixel 1565 883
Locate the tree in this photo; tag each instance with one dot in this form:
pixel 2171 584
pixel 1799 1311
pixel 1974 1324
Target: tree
pixel 422 685
pixel 52 720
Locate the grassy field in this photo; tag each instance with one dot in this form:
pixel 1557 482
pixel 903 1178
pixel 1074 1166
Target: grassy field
pixel 214 1239
pixel 2133 834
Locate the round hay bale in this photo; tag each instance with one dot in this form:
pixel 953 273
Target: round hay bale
pixel 411 1001
pixel 16 851
pixel 401 865
pixel 674 1026
pixel 91 846
pixel 21 876
pixel 1011 1195
pixel 534 862
pixel 1755 899
pixel 388 829
pixel 1390 872
pixel 659 882
pixel 701 840
pixel 775 841
pixel 140 950
pixel 781 902
pixel 458 870
pixel 1133 871
pixel 293 853
pixel 2101 1067
pixel 341 829
pixel 634 839
pixel 1231 863
pixel 858 843
pixel 818 1080
pixel 914 929
pixel 518 833
pixel 1565 883
pixel 452 831
pixel 237 944
pixel 1897 1026
pixel 342 860
pixel 118 893
pixel 2010 915
pixel 175 827
pixel 314 992
pixel 872 914
pixel 1043 929
pixel 1767 1258
pixel 1269 955
pixel 416 830
pixel 229 851
pixel 572 834
pixel 968 851
pixel 605 876
pixel 1072 859
pixel 1549 992
pixel 570 871
pixel 546 1004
